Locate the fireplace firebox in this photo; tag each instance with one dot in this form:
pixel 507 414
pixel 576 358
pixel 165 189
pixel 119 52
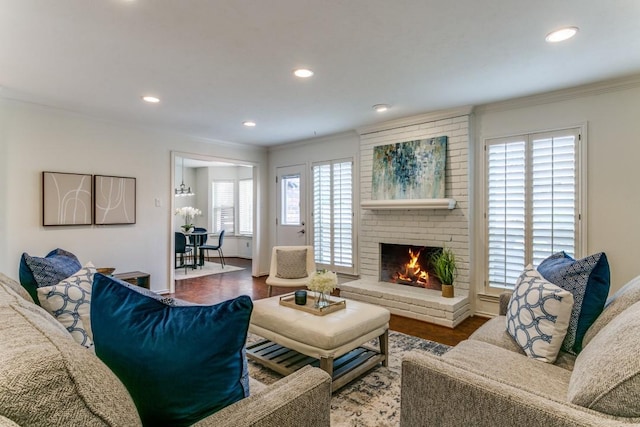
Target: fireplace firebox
pixel 408 265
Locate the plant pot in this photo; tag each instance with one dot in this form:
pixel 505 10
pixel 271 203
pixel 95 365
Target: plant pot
pixel 447 291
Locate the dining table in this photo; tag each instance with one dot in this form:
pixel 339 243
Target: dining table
pixel 198 237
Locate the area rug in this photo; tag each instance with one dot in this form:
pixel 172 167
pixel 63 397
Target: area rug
pixel 207 269
pixel 373 399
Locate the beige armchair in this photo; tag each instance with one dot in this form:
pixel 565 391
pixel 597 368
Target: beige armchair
pixel 274 280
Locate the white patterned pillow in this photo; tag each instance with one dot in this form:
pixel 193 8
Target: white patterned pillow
pixel 538 315
pixel 70 303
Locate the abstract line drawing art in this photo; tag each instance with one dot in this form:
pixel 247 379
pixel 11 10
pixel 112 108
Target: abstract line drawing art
pixel 66 198
pixel 409 170
pixel 115 200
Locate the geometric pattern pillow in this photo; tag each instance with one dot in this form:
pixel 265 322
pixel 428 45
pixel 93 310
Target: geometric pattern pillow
pixel 36 272
pixel 588 279
pixel 291 264
pixel 538 315
pixel 179 362
pixel 70 303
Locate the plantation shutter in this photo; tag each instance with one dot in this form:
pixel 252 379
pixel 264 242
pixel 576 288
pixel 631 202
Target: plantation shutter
pixel 322 213
pixel 343 214
pixel 506 211
pixel 245 206
pixel 532 202
pixel 223 206
pixel 554 195
pixel 333 215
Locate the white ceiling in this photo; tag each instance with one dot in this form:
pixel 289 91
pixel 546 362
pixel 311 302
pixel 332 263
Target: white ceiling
pixel 215 64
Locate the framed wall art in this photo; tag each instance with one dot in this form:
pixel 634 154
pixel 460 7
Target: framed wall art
pixel 66 199
pixel 114 200
pixel 409 170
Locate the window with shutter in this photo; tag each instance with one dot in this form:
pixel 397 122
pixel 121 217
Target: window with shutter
pixel 333 215
pixel 223 206
pixel 245 206
pixel 532 201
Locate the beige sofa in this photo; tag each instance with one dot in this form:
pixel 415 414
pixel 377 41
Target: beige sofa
pixel 47 379
pixel 487 380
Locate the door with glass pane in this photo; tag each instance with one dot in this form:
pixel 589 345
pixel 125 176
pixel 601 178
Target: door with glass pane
pixel 290 210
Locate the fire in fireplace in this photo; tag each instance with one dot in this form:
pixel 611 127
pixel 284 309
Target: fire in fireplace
pixel 408 265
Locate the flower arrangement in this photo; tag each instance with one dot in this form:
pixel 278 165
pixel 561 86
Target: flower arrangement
pixel 188 213
pixel 323 281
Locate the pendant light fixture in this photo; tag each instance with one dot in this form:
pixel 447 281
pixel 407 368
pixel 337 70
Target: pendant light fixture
pixel 183 190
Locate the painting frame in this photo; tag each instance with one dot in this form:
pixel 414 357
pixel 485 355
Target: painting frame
pixel 66 199
pixel 114 200
pixel 410 170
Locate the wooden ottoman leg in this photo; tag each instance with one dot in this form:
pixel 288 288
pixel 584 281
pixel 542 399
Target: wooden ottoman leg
pixel 384 347
pixel 326 364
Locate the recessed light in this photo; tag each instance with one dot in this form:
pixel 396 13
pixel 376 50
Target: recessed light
pixel 303 73
pixel 381 108
pixel 151 99
pixel 249 123
pixel 561 35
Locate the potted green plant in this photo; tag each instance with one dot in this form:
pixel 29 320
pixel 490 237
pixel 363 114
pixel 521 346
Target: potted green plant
pixel 444 267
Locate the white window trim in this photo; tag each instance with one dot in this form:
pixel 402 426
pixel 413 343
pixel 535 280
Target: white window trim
pixel 582 203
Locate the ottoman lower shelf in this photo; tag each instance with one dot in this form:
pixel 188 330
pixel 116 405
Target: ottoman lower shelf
pixel 343 369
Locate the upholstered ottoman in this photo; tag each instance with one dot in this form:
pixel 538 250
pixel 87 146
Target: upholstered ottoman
pixel 295 338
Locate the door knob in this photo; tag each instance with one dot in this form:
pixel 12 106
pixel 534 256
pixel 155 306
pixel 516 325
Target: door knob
pixel 301 231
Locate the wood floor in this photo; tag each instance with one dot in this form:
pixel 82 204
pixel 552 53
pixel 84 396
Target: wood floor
pixel 220 287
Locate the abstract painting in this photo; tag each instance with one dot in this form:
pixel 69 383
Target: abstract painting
pixel 409 170
pixel 66 198
pixel 115 200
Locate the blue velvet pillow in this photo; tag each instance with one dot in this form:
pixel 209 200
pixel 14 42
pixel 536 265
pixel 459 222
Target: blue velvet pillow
pixel 36 272
pixel 588 279
pixel 180 362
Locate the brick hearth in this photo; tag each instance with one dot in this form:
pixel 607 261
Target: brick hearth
pixel 409 301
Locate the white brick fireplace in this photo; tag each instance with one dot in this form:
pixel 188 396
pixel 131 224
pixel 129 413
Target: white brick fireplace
pixel 418 227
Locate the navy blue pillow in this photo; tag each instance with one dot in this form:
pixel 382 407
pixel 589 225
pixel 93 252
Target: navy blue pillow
pixel 588 279
pixel 180 362
pixel 36 272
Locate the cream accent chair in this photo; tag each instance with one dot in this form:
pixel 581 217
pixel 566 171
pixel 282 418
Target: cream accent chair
pixel 273 280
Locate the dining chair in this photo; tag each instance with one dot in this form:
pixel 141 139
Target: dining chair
pixel 181 249
pixel 196 241
pixel 217 247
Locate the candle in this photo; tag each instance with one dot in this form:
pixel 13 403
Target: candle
pixel 301 297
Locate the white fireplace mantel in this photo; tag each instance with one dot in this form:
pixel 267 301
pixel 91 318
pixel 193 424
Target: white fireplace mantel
pixel 408 204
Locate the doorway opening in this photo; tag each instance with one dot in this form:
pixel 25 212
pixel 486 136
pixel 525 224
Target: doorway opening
pixel 221 200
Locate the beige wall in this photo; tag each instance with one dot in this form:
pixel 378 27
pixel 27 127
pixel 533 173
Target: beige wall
pixel 35 139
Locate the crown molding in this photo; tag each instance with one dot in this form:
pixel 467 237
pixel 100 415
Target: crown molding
pixel 416 120
pixel 560 95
